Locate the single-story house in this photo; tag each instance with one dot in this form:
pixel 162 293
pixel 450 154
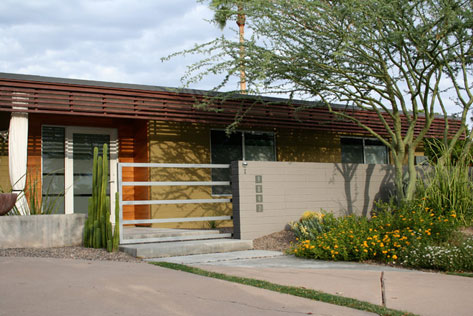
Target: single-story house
pixel 63 119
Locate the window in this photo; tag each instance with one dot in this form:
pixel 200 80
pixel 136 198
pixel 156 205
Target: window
pixel 254 146
pixel 53 166
pixel 421 160
pixel 363 150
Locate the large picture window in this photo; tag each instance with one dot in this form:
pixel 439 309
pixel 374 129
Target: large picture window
pixel 363 150
pixel 252 146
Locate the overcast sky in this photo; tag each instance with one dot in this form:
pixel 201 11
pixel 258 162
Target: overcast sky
pixel 109 40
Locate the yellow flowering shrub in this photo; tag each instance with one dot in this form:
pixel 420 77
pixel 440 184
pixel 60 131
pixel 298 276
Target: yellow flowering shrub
pixel 312 224
pixel 386 237
pixel 307 215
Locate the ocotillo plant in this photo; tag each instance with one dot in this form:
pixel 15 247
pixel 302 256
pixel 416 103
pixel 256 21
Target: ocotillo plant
pixel 98 229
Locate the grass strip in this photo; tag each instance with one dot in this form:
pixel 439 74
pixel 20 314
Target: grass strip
pixel 291 290
pixel 463 274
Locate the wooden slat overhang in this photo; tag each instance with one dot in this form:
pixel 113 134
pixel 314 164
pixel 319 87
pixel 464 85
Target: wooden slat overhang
pixel 95 99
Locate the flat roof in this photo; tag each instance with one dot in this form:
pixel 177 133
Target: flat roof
pixel 130 86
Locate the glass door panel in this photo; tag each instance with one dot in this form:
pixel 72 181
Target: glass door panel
pixel 53 168
pixel 225 149
pixel 83 156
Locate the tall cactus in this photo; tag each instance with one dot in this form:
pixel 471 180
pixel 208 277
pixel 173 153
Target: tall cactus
pixel 98 231
pixel 116 233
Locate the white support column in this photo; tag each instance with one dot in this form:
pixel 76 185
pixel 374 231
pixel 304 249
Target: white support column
pixel 18 152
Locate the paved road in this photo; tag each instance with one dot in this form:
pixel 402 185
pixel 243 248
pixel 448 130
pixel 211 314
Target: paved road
pixel 58 287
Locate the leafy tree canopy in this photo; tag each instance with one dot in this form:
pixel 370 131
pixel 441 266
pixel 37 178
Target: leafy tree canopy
pixel 398 58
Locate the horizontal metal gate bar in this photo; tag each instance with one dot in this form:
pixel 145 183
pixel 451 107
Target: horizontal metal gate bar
pixel 174 165
pixel 177 220
pixel 164 202
pixel 176 183
pixel 122 203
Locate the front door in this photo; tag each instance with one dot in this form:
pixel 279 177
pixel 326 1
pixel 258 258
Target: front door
pixel 79 143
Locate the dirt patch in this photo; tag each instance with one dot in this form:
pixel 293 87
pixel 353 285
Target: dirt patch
pixel 468 231
pixel 279 241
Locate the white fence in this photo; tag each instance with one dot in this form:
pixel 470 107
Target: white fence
pixel 122 202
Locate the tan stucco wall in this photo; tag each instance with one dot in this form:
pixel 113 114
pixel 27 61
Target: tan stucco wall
pixel 288 189
pixel 172 142
pixel 5 185
pixel 307 146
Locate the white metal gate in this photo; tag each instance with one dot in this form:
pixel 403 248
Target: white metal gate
pixel 122 184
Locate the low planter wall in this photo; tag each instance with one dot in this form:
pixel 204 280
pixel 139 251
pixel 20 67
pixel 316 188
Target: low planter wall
pixel 41 231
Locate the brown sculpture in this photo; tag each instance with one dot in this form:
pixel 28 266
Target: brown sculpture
pixel 7 201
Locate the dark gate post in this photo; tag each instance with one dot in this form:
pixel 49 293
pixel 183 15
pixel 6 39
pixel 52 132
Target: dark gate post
pixel 235 199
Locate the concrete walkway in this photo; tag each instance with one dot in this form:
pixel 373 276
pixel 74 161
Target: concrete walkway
pixel 414 291
pixel 57 287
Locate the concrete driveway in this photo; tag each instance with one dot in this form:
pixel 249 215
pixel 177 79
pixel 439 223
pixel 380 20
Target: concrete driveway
pixel 58 287
pixel 423 293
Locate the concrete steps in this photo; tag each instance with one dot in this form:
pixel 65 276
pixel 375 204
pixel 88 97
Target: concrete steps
pixel 168 234
pixel 185 248
pixel 144 242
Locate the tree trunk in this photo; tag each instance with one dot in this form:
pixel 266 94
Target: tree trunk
pixel 398 158
pixel 411 173
pixel 241 29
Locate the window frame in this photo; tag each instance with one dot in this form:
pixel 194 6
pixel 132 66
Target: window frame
pixel 243 141
pixel 364 139
pixel 243 148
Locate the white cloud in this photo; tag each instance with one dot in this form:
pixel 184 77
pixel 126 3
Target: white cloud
pixel 111 40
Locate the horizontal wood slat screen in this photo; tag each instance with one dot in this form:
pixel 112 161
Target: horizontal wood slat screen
pixel 70 99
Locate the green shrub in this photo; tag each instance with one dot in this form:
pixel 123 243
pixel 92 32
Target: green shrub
pixel 311 224
pixel 435 148
pixel 447 183
pixel 387 237
pixel 38 204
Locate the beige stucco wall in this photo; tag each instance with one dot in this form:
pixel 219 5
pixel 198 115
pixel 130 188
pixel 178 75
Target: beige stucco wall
pixel 173 142
pixel 290 188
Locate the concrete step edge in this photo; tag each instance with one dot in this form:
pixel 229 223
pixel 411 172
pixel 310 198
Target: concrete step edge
pixel 140 235
pixel 159 250
pixel 150 240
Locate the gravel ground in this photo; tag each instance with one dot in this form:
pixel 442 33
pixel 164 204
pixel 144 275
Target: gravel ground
pixel 69 253
pixel 279 241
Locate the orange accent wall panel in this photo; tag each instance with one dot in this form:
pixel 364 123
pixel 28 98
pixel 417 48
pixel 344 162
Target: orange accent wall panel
pixel 133 147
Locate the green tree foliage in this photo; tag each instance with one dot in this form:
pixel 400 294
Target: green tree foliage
pixel 225 10
pixel 401 58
